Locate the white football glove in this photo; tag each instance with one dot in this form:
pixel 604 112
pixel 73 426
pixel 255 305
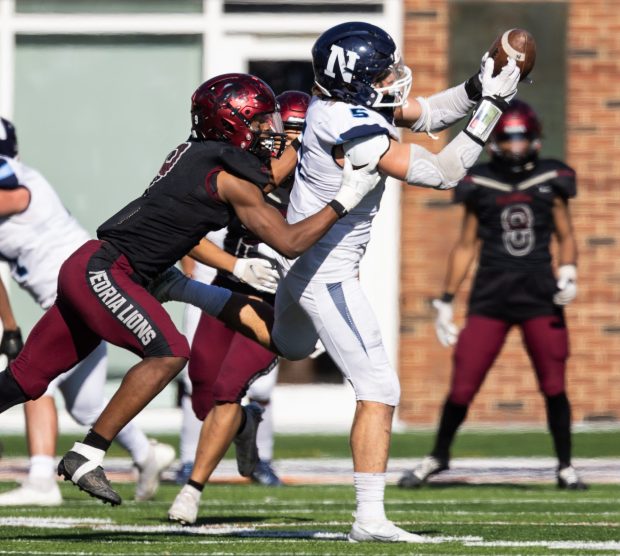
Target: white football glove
pixel 504 85
pixel 258 273
pixel 356 184
pixel 447 332
pixel 567 284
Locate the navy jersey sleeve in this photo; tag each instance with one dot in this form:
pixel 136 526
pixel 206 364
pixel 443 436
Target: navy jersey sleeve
pixel 565 183
pixel 244 165
pixel 8 179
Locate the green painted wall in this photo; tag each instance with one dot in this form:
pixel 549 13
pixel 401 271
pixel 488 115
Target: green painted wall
pixel 97 116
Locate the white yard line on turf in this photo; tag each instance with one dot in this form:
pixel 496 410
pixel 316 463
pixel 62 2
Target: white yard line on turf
pixel 252 533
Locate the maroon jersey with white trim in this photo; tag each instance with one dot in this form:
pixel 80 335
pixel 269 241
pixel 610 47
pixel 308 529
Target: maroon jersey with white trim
pixel 180 206
pixel 514 211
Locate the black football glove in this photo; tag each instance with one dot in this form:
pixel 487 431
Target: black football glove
pixel 11 343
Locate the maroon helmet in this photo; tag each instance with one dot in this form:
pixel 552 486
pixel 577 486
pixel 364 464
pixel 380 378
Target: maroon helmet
pixel 519 121
pixel 293 108
pixel 240 109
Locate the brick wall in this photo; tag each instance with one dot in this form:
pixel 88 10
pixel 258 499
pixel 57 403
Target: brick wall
pixel 430 227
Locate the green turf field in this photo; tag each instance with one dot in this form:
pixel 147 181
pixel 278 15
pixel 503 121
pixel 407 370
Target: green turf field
pixel 481 520
pixel 489 519
pixel 473 443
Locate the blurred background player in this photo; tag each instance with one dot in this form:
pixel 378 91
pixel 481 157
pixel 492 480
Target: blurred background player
pixel 513 206
pixel 237 241
pixel 37 234
pixel 223 363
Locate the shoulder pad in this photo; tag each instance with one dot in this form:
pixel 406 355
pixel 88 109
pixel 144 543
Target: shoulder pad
pixel 362 150
pixel 8 179
pixel 244 165
pixel 464 191
pixel 565 183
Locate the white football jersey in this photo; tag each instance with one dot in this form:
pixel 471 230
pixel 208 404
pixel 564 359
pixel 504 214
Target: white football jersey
pixel 37 241
pixel 336 256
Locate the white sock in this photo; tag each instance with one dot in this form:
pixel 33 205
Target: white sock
pixel 135 442
pixel 369 494
pixel 264 435
pixel 190 431
pixel 42 468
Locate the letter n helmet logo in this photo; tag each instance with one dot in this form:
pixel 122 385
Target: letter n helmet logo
pixel 346 62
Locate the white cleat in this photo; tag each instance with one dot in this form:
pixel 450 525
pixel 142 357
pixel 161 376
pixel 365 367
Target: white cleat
pixel 33 493
pixel 184 509
pixel 160 458
pixel 381 531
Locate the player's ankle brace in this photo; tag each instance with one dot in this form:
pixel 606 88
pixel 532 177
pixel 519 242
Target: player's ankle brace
pixel 10 391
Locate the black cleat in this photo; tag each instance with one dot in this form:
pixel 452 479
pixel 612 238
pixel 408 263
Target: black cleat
pixel 430 465
pixel 79 470
pixel 245 441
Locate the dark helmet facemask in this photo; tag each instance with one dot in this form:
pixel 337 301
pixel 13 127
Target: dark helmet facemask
pixel 270 139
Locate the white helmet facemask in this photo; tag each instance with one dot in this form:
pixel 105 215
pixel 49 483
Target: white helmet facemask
pixel 399 79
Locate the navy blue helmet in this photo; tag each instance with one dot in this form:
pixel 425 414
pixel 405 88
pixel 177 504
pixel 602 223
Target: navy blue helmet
pixel 359 63
pixel 8 139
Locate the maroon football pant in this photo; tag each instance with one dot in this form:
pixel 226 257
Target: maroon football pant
pixel 222 364
pixel 99 298
pixel 479 343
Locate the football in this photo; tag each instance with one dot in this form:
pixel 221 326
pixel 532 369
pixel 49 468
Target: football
pixel 518 44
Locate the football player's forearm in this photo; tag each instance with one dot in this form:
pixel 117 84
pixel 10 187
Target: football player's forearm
pixel 458 266
pixel 302 235
pixel 442 109
pixel 206 252
pixel 567 250
pixel 445 169
pixel 283 167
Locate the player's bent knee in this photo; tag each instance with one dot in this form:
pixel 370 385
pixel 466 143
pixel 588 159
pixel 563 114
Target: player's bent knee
pixel 293 349
pixel 200 408
pixel 387 392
